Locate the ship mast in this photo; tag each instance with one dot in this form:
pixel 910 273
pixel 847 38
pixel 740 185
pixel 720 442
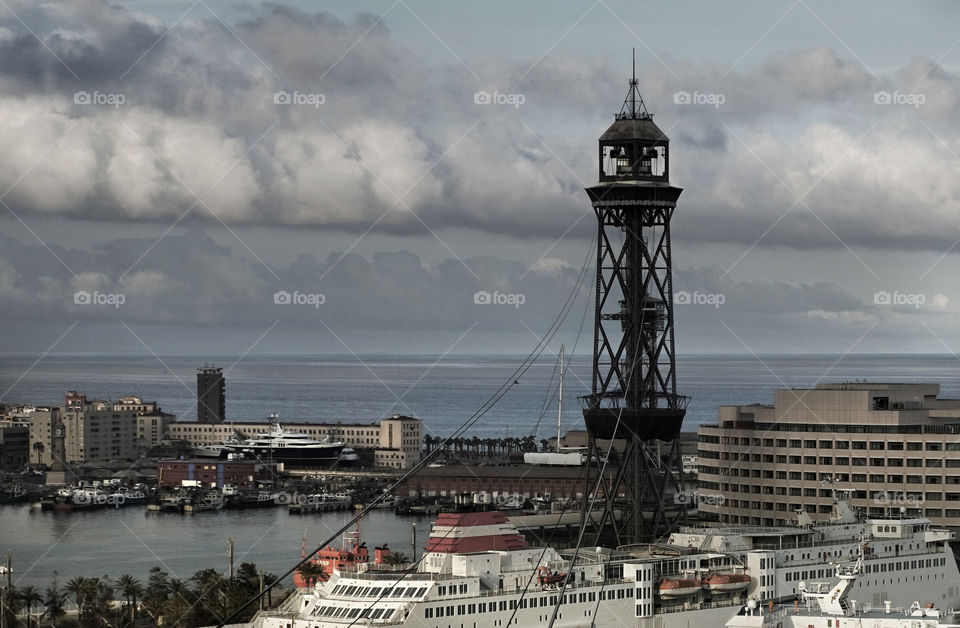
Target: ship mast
pixel 560 404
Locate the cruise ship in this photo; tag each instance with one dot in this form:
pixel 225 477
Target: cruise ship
pixel 827 605
pixel 477 571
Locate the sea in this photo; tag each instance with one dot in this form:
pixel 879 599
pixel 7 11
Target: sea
pixel 442 391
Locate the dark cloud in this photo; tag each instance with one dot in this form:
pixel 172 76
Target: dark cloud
pixel 396 123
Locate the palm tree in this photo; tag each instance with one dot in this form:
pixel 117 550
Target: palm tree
pixel 55 600
pixel 130 588
pixel 99 600
pixel 179 604
pixel 11 605
pixel 309 572
pixel 154 605
pixel 39 448
pixel 396 558
pixel 30 597
pixel 211 589
pixel 269 579
pixel 78 588
pixel 155 597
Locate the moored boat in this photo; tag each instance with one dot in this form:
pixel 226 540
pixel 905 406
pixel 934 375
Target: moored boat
pixel 13 495
pixel 291 448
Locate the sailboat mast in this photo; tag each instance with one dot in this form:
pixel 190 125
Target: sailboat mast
pixel 560 404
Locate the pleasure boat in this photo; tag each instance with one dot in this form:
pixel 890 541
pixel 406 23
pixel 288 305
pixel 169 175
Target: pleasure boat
pixel 290 448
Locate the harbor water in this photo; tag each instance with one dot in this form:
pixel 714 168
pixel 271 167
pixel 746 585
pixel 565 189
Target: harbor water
pixel 442 392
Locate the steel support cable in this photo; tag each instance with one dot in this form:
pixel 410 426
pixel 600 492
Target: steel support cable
pixel 504 388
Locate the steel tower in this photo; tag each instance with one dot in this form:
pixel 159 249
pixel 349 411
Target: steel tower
pixel 634 401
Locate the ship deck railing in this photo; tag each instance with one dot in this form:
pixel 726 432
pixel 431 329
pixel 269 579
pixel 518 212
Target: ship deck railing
pixel 695 606
pixel 399 575
pixel 827 543
pixel 533 589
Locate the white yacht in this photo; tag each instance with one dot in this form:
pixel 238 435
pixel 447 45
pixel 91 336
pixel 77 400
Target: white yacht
pixel 291 448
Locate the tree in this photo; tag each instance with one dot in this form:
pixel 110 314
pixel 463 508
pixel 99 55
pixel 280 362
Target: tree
pixel 30 597
pixel 55 600
pixel 99 602
pixel 396 558
pixel 77 587
pixel 212 597
pixel 11 605
pixel 39 448
pixel 268 580
pixel 155 596
pixel 131 589
pixel 179 604
pixel 310 572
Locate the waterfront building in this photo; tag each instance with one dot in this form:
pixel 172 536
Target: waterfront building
pixel 894 445
pixel 394 443
pixel 15 445
pixel 99 430
pixel 521 480
pixel 208 473
pixel 211 395
pixel 152 422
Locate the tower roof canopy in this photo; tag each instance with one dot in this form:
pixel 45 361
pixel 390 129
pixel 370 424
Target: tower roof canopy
pixel 639 128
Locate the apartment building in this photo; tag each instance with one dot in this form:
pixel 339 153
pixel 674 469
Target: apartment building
pixel 892 445
pixel 99 430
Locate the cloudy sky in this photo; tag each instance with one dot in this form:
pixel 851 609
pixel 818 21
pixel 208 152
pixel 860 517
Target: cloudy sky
pixel 170 169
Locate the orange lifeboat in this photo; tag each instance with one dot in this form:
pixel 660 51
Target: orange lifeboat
pixel 547 578
pixel 681 587
pixel 726 582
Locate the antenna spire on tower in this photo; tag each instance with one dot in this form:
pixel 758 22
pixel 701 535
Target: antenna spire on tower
pixel 630 109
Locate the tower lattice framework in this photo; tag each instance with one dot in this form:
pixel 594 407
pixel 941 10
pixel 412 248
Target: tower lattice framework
pixel 633 413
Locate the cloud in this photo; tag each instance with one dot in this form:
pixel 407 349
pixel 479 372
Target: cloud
pixel 199 118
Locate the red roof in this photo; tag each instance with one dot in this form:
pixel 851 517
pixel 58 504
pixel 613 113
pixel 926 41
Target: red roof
pixel 461 541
